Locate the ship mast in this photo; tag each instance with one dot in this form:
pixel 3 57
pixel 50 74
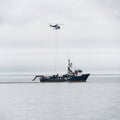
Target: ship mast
pixel 70 67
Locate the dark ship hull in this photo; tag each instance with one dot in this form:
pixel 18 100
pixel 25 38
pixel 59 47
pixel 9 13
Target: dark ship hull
pixel 64 78
pixel 81 78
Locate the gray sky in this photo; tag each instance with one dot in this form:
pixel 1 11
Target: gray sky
pixel 90 35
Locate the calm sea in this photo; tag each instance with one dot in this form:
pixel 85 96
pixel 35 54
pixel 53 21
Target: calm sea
pixel 97 99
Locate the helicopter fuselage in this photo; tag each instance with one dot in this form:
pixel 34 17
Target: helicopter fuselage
pixel 57 27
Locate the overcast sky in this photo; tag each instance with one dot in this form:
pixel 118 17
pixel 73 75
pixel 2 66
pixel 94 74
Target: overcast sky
pixel 90 35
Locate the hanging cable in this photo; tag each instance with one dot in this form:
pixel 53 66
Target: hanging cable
pixel 56 27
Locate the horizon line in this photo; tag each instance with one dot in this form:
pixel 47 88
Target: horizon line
pixel 53 74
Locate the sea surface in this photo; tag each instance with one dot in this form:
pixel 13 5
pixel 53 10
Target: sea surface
pixel 97 99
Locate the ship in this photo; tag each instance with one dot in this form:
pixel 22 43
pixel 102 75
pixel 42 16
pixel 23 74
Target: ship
pixel 70 76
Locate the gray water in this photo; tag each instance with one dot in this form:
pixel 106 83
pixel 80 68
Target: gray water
pixel 97 99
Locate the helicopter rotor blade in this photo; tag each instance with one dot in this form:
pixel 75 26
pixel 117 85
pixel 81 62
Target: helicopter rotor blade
pixel 56 24
pixel 60 24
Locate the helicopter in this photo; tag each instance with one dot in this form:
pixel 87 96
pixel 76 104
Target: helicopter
pixel 56 26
